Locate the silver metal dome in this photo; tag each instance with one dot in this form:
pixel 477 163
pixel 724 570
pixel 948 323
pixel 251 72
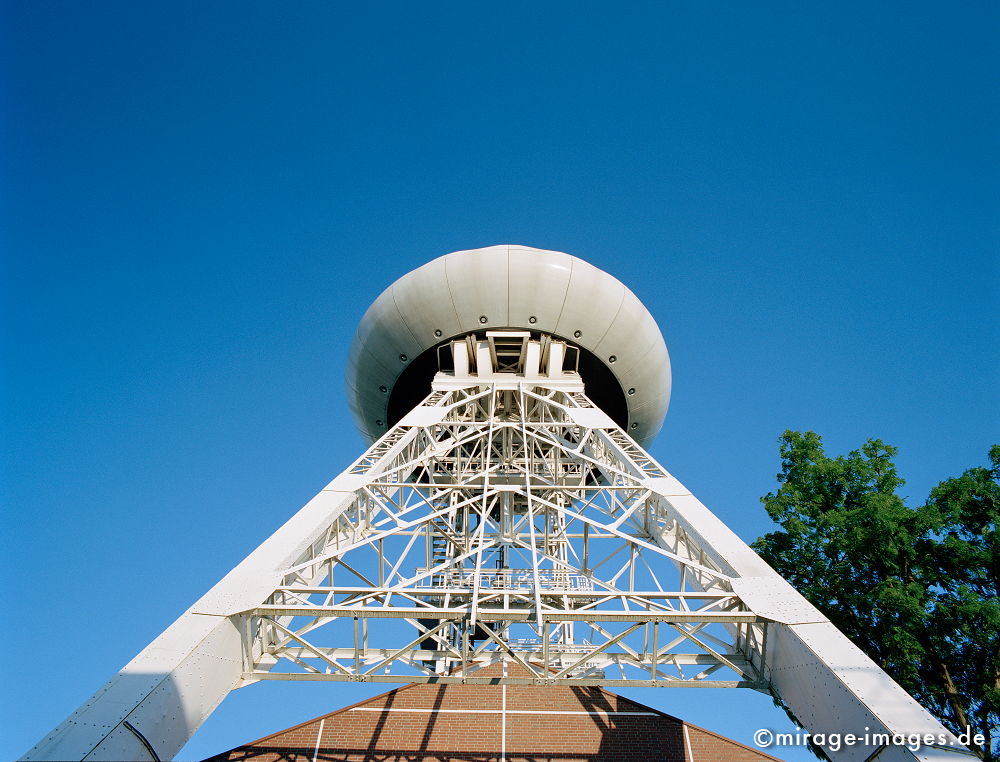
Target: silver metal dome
pixel 624 361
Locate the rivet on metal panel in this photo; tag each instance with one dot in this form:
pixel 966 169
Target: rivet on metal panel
pixel 613 358
pixel 378 422
pixel 483 319
pixel 404 358
pixel 631 391
pixel 532 320
pixel 634 425
pixel 437 332
pixel 577 334
pixel 385 389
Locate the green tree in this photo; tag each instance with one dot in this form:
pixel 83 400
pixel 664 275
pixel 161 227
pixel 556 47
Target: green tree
pixel 916 588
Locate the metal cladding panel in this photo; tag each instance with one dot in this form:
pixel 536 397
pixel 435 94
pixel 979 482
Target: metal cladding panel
pixel 180 704
pixel 477 280
pixel 160 656
pixel 423 416
pixel 650 378
pixel 832 687
pixel 122 744
pixel 630 337
pixel 635 351
pixel 181 699
pixel 773 598
pixel 76 736
pixel 369 404
pixel 644 431
pixel 385 335
pixel 592 301
pixel 356 403
pixel 508 285
pixel 591 418
pixel 368 433
pixel 366 372
pixel 367 369
pixel 165 693
pixel 424 301
pixel 539 281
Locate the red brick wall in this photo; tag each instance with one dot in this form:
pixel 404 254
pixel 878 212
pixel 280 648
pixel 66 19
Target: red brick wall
pixel 447 731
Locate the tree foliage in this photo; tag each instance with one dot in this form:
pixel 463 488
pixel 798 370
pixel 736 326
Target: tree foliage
pixel 916 588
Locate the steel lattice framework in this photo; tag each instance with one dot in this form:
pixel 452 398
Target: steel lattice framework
pixel 511 521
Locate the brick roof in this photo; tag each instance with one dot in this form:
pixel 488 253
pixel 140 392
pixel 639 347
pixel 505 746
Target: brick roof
pixel 494 723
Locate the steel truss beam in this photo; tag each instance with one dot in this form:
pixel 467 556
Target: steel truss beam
pixel 501 520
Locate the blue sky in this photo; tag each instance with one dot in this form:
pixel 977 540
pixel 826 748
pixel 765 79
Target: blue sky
pixel 199 200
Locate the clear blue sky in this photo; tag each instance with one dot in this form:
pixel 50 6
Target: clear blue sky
pixel 199 200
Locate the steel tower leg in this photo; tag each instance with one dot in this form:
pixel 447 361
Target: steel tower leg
pixel 504 519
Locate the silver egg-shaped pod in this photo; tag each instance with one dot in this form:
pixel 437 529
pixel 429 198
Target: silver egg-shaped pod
pixel 623 358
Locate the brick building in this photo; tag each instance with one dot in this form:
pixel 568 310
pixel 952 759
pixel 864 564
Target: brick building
pixel 494 723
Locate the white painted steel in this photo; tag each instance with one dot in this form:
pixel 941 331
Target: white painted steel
pixel 833 687
pixel 502 504
pixel 511 287
pixel 520 454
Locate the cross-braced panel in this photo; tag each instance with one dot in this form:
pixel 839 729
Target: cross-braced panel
pixel 506 522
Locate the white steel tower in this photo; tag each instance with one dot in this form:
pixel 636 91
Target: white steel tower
pixel 505 513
